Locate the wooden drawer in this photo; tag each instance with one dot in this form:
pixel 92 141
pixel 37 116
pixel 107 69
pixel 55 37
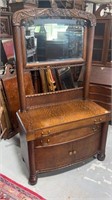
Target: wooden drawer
pixel 67 136
pixel 65 154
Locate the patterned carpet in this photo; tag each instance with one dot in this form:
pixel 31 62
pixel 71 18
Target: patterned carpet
pixel 10 190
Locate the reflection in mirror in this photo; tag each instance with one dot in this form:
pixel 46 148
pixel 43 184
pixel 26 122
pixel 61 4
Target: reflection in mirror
pixel 56 79
pixel 49 39
pixel 70 77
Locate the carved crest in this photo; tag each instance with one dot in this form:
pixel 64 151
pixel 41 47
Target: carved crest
pixel 52 13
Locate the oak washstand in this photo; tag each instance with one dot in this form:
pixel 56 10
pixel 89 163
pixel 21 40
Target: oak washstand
pixel 58 128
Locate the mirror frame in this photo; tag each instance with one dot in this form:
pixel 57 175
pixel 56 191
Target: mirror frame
pixel 21 16
pixel 18 20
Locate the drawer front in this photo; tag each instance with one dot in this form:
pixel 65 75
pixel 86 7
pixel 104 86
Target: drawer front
pixel 61 155
pixel 67 136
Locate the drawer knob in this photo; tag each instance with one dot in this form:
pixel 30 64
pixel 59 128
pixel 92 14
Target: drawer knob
pixel 94 129
pixel 95 121
pixel 70 153
pixel 74 152
pixel 48 140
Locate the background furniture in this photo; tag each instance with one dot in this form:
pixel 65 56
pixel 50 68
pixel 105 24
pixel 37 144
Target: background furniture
pixel 101 81
pixel 3 125
pixel 101 86
pixel 5 23
pixel 102 49
pixel 10 97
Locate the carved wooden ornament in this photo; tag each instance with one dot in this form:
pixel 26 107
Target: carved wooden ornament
pixel 52 13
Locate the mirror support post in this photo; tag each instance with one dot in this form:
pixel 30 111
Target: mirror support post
pixel 19 66
pixel 89 60
pixel 23 45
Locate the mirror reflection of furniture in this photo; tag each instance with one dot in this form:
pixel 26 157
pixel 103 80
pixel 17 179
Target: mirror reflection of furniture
pixel 55 39
pixel 41 44
pixel 57 127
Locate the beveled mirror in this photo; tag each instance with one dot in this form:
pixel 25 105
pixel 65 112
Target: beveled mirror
pixel 50 39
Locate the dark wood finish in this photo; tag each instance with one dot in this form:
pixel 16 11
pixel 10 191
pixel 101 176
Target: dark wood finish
pixel 16 6
pixel 101 76
pixel 101 86
pixel 11 96
pixel 31 154
pixel 69 4
pixel 57 127
pixel 6 126
pixel 89 61
pixel 66 154
pixel 5 23
pixel 101 154
pixel 40 100
pixel 101 81
pixel 3 124
pixel 102 50
pixel 56 64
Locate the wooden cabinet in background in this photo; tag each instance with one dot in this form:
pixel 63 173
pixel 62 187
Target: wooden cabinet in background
pixel 101 86
pixel 101 81
pixel 5 23
pixel 102 50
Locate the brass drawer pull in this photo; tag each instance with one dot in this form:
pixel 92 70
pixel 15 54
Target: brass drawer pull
pixel 95 121
pixel 41 141
pixel 70 153
pixel 74 152
pixel 48 140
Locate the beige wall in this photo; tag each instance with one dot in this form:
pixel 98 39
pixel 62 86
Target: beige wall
pixel 1 3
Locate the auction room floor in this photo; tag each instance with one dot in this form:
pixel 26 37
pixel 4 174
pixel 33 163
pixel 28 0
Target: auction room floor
pixel 89 181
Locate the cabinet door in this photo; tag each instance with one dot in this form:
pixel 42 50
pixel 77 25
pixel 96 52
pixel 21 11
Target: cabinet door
pixel 109 55
pixel 99 41
pixel 60 155
pixel 53 157
pixel 102 43
pixel 86 147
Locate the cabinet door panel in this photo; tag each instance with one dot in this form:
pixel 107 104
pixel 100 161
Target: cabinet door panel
pixel 86 147
pixel 53 157
pixel 66 154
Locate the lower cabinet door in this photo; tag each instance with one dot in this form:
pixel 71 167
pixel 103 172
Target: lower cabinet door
pixel 65 154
